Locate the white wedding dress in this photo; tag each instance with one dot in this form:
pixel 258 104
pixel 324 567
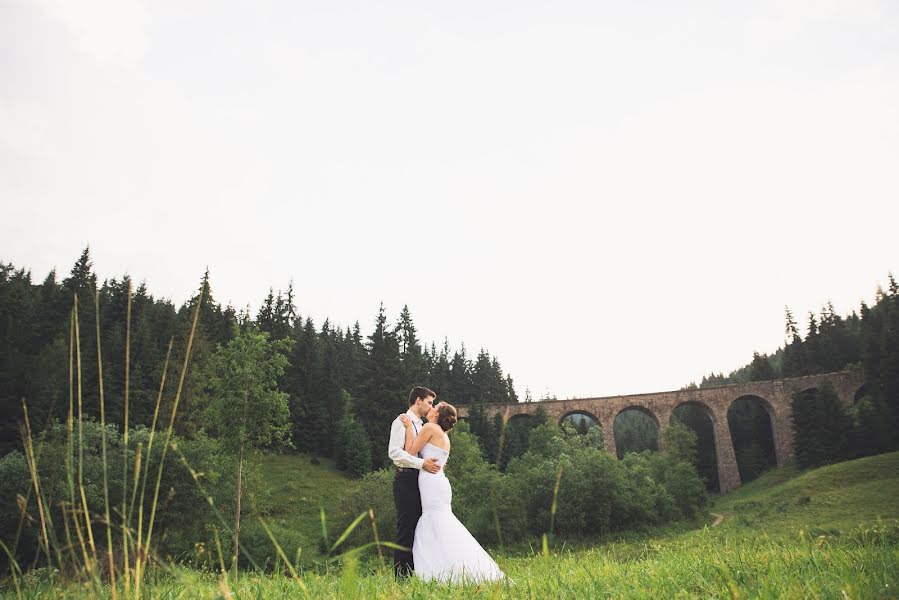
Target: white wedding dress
pixel 443 549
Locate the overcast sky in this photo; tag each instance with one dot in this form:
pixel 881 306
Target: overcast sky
pixel 610 197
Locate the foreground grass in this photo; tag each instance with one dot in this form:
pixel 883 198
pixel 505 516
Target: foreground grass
pixel 706 567
pixel 828 533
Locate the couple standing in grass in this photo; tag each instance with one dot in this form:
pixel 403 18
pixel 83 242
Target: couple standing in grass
pixel 442 548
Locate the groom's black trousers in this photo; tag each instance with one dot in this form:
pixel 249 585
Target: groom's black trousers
pixel 408 510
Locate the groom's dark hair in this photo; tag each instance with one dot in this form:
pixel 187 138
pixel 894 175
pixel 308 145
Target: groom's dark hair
pixel 420 391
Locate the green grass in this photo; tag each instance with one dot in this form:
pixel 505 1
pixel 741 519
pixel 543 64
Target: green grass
pixel 837 497
pixel 298 488
pixel 827 533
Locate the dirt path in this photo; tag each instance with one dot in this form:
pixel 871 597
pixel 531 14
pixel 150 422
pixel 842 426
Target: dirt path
pixel 719 518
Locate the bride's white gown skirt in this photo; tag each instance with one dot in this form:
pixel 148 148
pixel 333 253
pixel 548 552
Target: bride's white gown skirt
pixel 443 549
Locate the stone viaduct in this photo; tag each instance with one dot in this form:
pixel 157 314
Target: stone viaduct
pixel 775 396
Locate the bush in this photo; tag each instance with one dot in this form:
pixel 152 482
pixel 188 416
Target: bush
pixel 597 493
pixel 182 512
pixel 374 491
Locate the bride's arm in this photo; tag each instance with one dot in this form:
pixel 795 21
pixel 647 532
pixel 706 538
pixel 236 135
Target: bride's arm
pixel 407 446
pixel 427 432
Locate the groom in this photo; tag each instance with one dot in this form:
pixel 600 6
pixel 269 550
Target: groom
pixel 406 496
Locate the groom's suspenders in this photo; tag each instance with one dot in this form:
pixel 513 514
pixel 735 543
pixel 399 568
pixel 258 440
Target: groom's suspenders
pixel 416 435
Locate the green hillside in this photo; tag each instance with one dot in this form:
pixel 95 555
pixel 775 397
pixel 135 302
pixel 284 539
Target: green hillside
pixel 835 498
pixel 298 488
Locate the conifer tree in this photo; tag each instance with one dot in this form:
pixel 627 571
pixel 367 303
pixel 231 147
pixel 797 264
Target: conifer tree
pixel 793 362
pixel 308 412
pixel 413 361
pixel 382 397
pixel 460 385
pixel 821 427
pixel 760 368
pixel 353 451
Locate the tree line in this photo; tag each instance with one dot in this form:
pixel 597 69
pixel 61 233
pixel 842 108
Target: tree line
pixel 336 382
pixel 254 384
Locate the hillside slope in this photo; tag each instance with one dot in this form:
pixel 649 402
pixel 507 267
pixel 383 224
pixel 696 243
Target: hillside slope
pixel 835 498
pixel 299 488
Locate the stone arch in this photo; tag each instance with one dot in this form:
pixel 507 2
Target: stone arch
pixel 708 444
pixel 621 434
pixel 642 409
pixel 592 420
pixel 754 434
pixel 586 413
pixel 705 407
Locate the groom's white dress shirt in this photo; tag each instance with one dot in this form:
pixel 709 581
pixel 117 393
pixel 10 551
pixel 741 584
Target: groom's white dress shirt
pixel 395 448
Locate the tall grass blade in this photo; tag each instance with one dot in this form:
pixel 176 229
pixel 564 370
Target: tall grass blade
pixel 211 504
pixel 555 504
pixel 321 516
pixel 13 569
pixel 125 566
pixel 78 373
pixel 110 556
pixel 43 510
pixel 70 437
pixel 374 532
pixel 138 557
pixel 168 436
pixel 346 532
pixel 283 556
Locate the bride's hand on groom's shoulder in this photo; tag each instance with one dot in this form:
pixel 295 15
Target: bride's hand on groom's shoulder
pixel 405 420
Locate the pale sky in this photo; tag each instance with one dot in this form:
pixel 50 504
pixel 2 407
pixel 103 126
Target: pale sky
pixel 610 197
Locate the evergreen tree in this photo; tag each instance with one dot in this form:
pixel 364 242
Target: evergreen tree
pixel 793 360
pixel 753 438
pixel 414 366
pixel 889 353
pixel 821 427
pixel 309 412
pixel 383 396
pixel 760 368
pixel 511 396
pixel 811 343
pixel 353 449
pixel 440 372
pixel 460 386
pixel 265 318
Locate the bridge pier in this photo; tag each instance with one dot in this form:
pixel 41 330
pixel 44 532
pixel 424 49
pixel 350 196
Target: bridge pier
pixel 728 472
pixel 609 435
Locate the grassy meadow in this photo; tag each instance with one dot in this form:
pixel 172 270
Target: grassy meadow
pixel 831 532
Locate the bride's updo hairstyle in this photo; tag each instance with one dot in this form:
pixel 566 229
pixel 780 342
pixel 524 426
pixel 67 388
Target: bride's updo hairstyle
pixel 446 416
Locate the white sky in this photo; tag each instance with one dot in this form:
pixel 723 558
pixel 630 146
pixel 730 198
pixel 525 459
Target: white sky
pixel 611 197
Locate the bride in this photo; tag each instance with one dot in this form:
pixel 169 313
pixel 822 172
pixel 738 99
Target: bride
pixel 443 549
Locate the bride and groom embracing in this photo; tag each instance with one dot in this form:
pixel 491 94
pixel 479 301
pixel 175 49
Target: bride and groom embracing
pixel 442 548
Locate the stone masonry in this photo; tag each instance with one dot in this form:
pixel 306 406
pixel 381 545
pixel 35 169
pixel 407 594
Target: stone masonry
pixel 775 396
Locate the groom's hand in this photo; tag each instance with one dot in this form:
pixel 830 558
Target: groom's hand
pixel 430 465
